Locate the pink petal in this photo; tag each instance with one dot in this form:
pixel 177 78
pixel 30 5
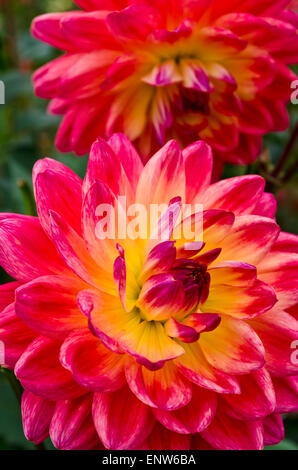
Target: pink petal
pixel 125 24
pixel 257 398
pixel 286 391
pixel 250 240
pixel 203 322
pixel 82 79
pixel 278 331
pixel 164 389
pixel 47 28
pixel 129 158
pixel 48 305
pixel 280 270
pixel 240 301
pixel 163 177
pixel 198 156
pixel 233 273
pixel 72 427
pixel 165 225
pixel 286 242
pixel 164 74
pixel 161 297
pixel 238 195
pixel 195 368
pixel 192 418
pixel 37 414
pixel 233 347
pixel 103 250
pixel 159 260
pixel 15 335
pixel 72 249
pixel 273 430
pixel 181 331
pixel 195 76
pixel 121 420
pixel 7 293
pixel 103 372
pixel 47 79
pixel 48 175
pixel 162 439
pixel 226 433
pixel 87 31
pixel 40 372
pixel 22 242
pixel 105 166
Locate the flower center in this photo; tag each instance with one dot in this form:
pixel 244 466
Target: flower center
pixel 174 294
pixel 195 280
pixel 194 101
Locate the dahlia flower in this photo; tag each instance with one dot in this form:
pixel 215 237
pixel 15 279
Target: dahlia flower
pixel 170 69
pixel 172 340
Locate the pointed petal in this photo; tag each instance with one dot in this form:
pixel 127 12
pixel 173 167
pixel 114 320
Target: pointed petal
pixel 163 389
pixel 233 347
pixel 181 331
pixel 250 240
pixel 129 158
pixel 159 260
pixel 280 270
pixel 240 301
pixel 121 420
pixel 192 418
pixel 14 335
pixel 233 273
pixel 48 305
pixel 194 366
pixel 238 195
pixel 273 430
pixel 7 293
pixel 163 439
pixel 163 177
pixel 22 241
pixel 104 370
pixel 48 175
pixel 226 433
pixel 278 332
pixel 40 372
pixel 286 391
pixel 203 322
pixel 257 398
pixel 198 156
pixel 72 427
pixel 72 249
pixel 161 297
pixel 36 414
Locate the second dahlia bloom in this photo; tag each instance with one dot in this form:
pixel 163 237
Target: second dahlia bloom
pixel 150 342
pixel 161 69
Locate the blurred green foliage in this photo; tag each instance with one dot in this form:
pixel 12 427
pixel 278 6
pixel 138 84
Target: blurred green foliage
pixel 27 133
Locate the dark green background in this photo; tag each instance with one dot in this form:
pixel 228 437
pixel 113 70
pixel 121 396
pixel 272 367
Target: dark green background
pixel 27 133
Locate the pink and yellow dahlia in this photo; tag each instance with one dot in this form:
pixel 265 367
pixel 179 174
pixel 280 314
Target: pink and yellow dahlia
pixel 156 342
pixel 170 69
